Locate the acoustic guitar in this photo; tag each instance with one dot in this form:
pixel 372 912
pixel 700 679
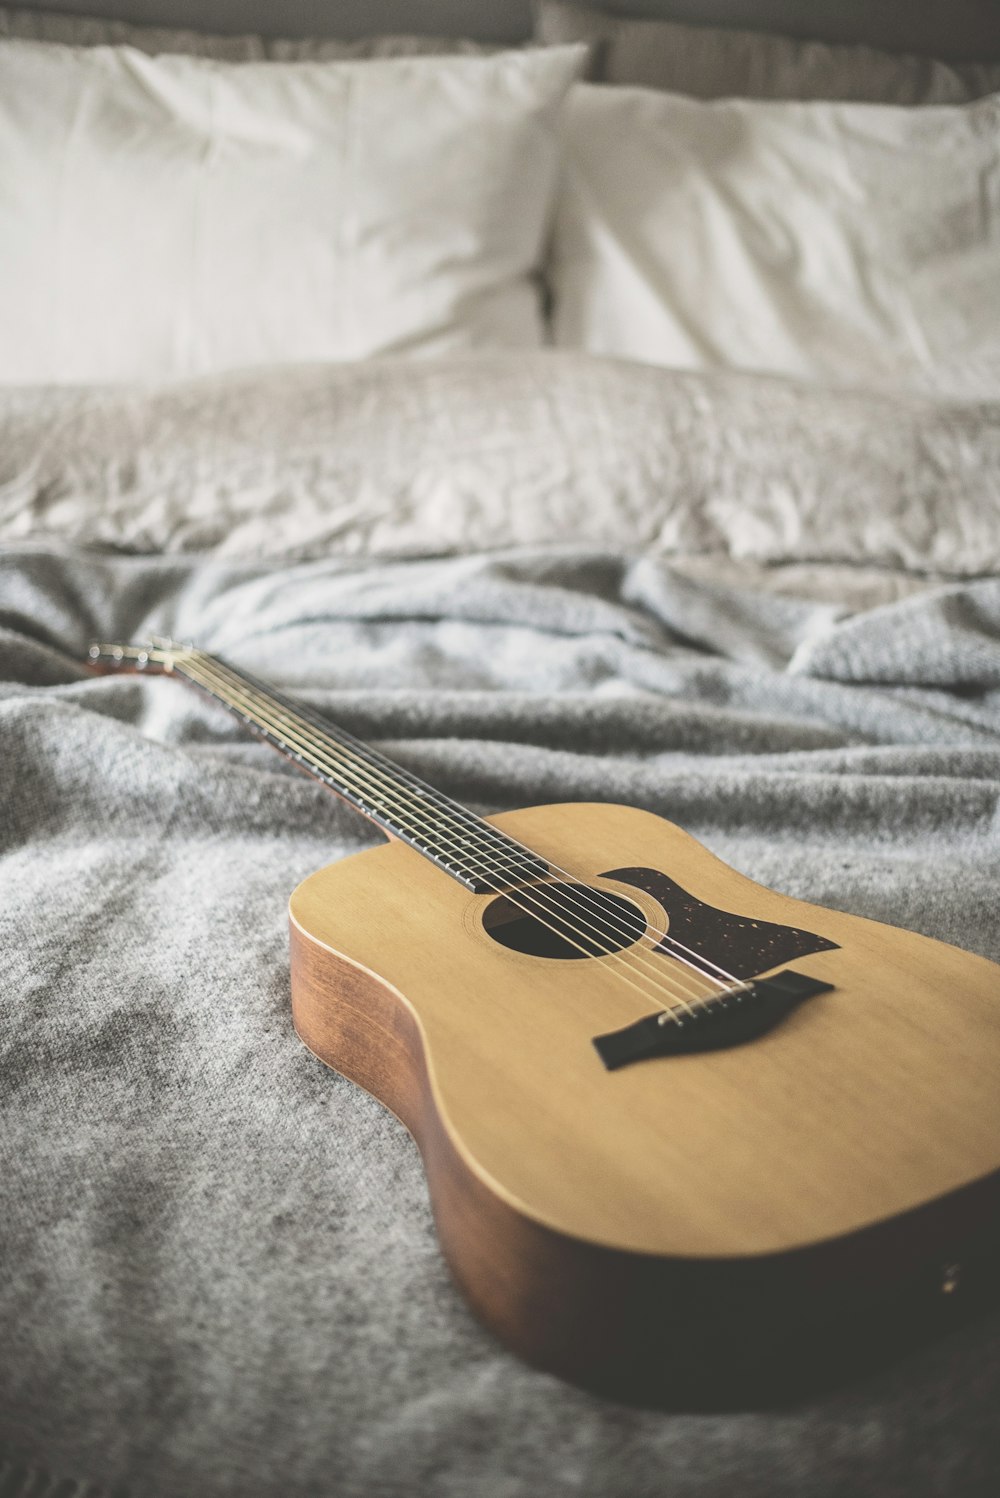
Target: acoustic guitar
pixel 686 1138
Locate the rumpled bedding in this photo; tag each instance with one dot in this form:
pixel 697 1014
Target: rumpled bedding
pixel 534 447
pixel 220 1274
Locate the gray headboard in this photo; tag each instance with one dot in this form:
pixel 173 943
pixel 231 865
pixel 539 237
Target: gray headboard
pixel 958 29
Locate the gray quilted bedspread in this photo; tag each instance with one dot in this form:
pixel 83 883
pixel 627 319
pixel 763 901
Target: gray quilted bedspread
pixel 219 1269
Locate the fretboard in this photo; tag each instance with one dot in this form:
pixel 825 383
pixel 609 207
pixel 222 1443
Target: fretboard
pixel 461 843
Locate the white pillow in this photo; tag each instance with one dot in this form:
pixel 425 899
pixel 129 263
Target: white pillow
pixel 171 216
pixel 852 243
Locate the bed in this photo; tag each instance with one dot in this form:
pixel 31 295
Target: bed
pixel 576 544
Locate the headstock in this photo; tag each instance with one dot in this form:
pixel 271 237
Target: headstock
pixel 159 655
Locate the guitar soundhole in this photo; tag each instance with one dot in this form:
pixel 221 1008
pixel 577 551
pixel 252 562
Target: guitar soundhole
pixel 563 920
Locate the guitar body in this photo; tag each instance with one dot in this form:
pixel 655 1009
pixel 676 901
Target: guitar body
pixel 688 1227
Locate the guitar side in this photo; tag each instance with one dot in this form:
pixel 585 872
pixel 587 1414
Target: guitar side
pixel 614 1237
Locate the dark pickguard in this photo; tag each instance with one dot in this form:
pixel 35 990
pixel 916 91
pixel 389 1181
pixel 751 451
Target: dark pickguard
pixel 742 947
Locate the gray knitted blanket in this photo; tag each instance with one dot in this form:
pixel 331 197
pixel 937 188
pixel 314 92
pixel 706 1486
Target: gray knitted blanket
pixel 219 1270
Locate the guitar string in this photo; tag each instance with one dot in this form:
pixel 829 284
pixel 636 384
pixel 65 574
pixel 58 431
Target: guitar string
pixel 735 987
pixel 528 860
pixel 226 677
pixel 429 794
pixel 537 896
pixel 535 903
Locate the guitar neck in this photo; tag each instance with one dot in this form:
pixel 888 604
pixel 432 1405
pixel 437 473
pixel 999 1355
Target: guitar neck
pixel 461 843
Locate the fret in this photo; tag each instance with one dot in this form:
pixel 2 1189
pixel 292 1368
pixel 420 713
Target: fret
pixel 459 842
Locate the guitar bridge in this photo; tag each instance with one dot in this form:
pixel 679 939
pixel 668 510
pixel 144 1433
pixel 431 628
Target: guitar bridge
pixel 730 1018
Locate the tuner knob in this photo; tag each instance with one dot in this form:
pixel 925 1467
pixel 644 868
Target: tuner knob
pixel 94 652
pixel 118 653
